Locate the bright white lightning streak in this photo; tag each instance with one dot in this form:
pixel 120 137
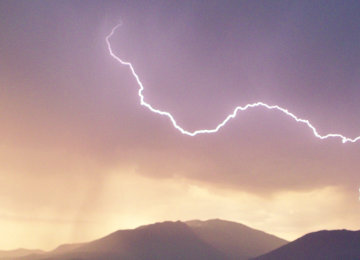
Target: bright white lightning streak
pixel 233 115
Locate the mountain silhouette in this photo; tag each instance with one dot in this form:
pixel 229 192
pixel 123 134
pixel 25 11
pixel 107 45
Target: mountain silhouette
pixel 321 245
pixel 200 240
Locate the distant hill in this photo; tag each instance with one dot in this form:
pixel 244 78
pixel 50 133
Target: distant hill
pixel 199 240
pixel 19 252
pixel 236 240
pixel 25 254
pixel 321 245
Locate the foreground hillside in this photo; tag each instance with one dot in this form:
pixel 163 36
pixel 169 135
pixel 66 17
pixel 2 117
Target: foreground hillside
pixel 321 245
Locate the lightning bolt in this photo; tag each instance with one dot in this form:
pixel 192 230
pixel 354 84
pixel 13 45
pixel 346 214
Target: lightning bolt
pixel 233 115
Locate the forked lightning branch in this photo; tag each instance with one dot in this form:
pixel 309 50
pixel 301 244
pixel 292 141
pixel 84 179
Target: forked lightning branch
pixel 223 123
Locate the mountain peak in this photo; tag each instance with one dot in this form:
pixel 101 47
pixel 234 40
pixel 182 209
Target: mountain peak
pixel 166 240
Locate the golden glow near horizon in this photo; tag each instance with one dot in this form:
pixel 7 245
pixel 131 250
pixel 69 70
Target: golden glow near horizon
pixel 128 200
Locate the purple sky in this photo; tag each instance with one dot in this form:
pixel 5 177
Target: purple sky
pixel 80 157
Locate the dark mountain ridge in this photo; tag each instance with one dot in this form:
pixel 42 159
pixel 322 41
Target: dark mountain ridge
pixel 321 245
pixel 202 240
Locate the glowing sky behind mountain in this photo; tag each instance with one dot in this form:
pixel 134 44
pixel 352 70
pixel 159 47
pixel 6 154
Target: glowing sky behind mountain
pixel 80 157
